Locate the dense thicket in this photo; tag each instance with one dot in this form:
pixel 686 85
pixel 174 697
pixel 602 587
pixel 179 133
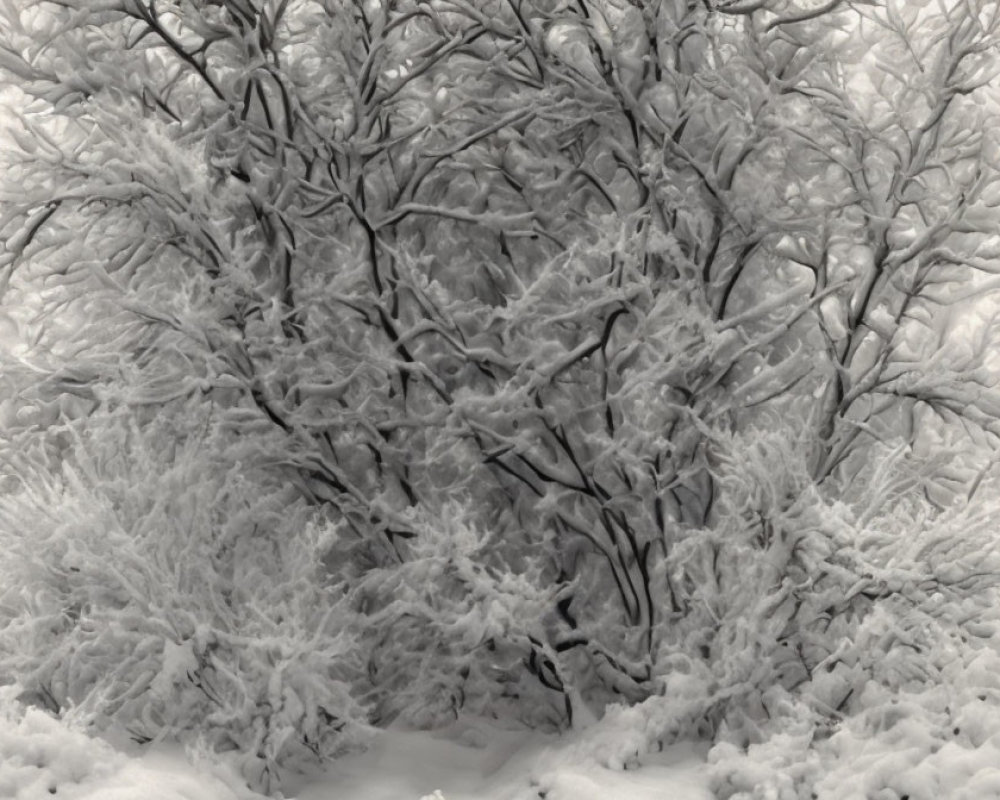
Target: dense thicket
pixel 518 357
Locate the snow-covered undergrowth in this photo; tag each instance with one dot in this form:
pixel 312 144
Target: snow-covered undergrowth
pixel 849 650
pixel 41 756
pixel 175 603
pixel 941 741
pixel 930 736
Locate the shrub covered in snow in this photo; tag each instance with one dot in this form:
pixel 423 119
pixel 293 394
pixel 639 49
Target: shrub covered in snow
pixel 933 739
pixel 896 690
pixel 452 628
pixel 173 597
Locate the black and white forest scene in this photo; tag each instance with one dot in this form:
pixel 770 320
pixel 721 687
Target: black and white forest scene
pixel 500 399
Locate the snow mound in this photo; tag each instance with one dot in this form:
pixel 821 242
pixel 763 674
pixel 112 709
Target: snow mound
pixel 42 757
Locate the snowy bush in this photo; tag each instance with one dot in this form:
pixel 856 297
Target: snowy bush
pixel 931 740
pixel 798 590
pixel 168 596
pixel 895 651
pixel 625 734
pixel 452 629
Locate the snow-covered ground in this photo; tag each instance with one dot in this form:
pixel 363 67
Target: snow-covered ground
pixel 41 757
pixel 478 762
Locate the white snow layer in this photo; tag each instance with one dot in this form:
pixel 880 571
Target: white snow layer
pixel 41 757
pixel 479 762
